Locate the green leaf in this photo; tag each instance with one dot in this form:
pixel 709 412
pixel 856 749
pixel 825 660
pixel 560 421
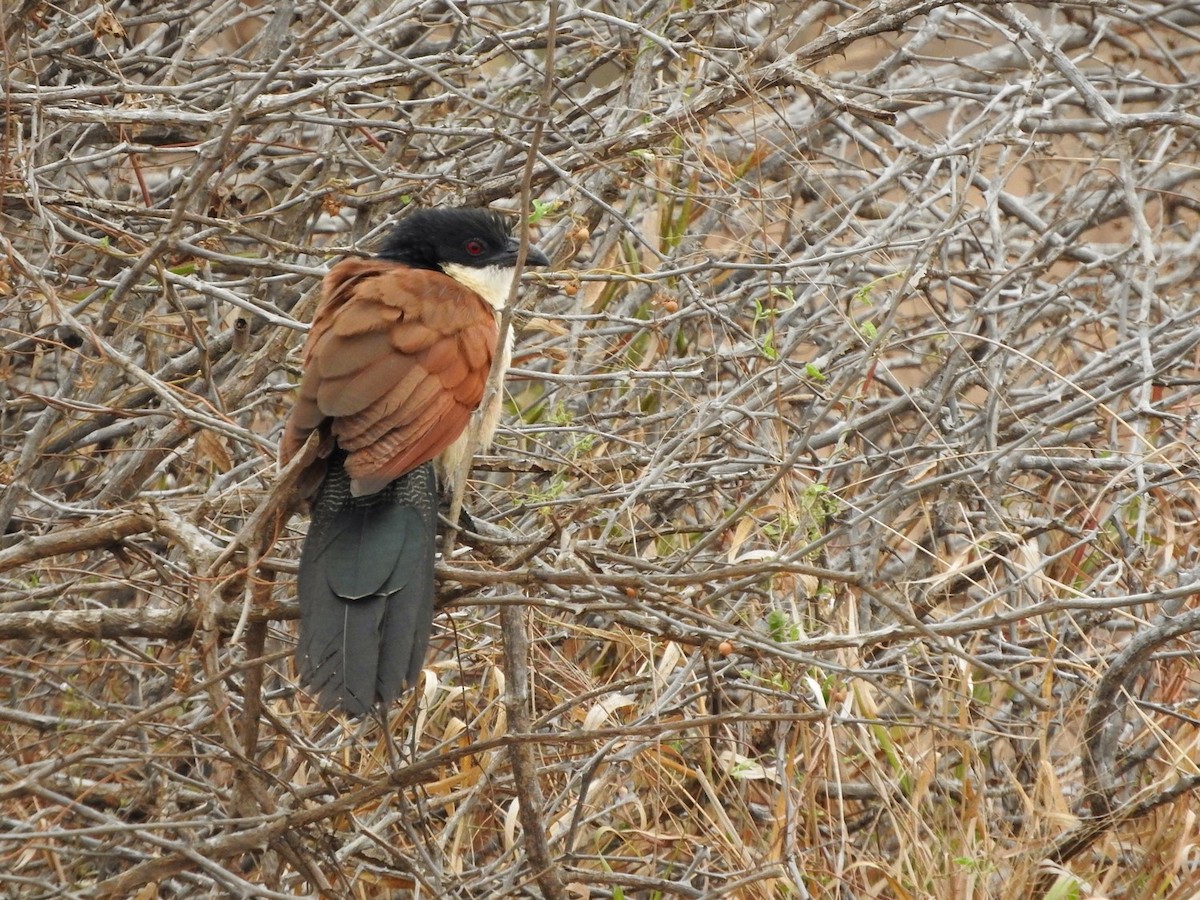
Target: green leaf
pixel 768 346
pixel 781 628
pixel 543 208
pixel 1065 888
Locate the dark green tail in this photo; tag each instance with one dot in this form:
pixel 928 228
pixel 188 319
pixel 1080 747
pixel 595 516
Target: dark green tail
pixel 366 588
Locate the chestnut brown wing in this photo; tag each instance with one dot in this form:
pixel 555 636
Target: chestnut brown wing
pixel 396 360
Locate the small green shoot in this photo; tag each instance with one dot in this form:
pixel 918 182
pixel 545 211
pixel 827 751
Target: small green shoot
pixel 543 209
pixel 782 629
pixel 1066 887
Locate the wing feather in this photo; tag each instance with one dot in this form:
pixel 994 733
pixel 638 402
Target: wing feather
pixel 396 360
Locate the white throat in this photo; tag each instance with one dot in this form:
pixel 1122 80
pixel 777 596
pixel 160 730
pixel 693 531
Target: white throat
pixel 492 283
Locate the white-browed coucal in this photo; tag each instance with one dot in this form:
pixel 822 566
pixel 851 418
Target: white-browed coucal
pixel 395 364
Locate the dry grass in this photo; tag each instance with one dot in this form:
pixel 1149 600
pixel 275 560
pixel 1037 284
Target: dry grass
pixel 846 491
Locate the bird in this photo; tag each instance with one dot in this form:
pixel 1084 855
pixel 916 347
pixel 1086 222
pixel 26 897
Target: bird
pixel 394 366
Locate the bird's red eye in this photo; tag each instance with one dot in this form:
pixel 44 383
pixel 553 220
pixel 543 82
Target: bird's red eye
pixel 474 247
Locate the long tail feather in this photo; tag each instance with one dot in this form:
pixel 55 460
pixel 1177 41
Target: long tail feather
pixel 366 588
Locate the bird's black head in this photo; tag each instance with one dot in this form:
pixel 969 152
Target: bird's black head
pixel 434 238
